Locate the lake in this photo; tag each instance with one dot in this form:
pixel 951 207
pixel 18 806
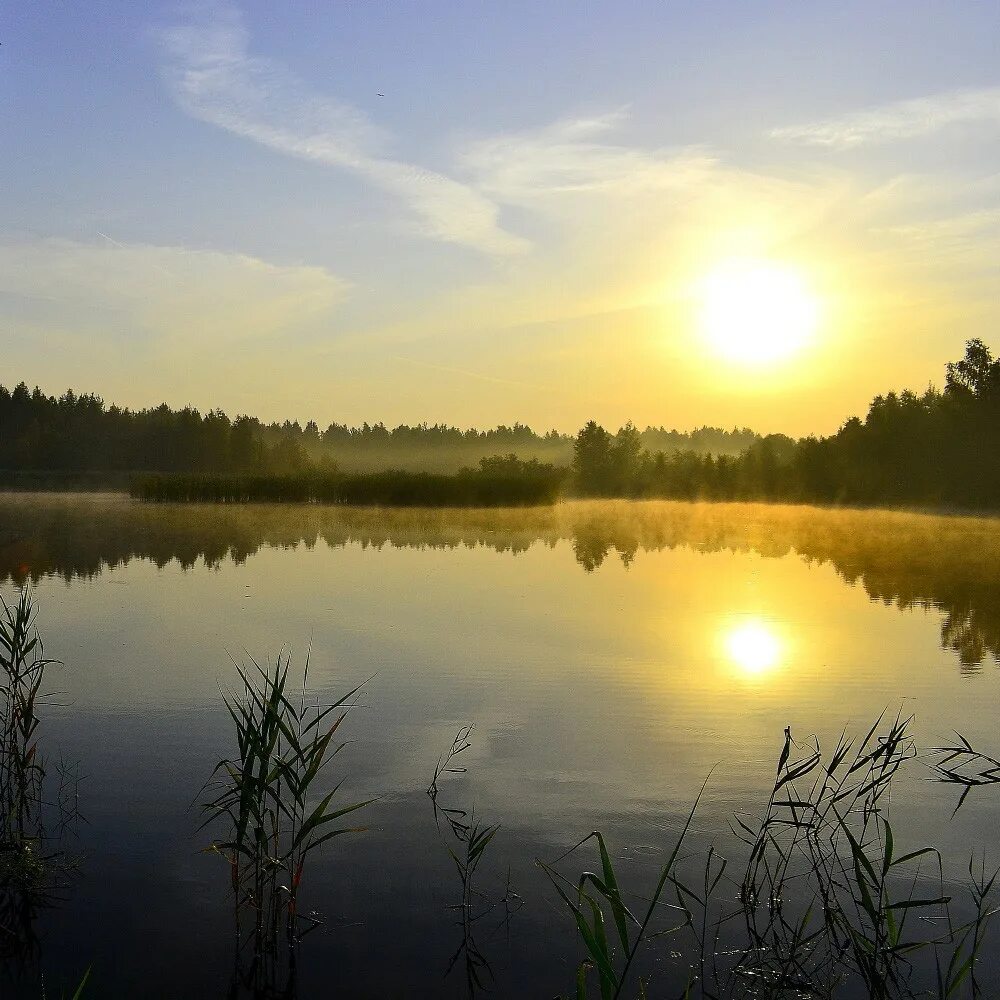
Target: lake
pixel 609 655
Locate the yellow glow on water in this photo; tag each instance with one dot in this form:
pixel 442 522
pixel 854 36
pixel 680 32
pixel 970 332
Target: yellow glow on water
pixel 753 646
pixel 756 312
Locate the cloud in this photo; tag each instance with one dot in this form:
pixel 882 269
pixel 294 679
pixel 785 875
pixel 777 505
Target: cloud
pixel 908 119
pixel 165 297
pixel 215 80
pixel 625 228
pixel 571 156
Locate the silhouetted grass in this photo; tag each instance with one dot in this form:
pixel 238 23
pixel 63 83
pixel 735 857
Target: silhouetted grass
pixel 499 482
pixel 274 818
pixel 35 812
pixel 466 840
pixel 33 817
pixel 825 906
pixel 22 670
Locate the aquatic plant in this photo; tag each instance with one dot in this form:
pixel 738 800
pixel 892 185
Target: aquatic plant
pixel 586 900
pixel 22 671
pixel 503 481
pixel 37 810
pixel 275 820
pixel 446 763
pixel 827 905
pixel 466 840
pixel 961 764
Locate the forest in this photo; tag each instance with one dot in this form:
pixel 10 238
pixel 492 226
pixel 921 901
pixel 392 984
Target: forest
pixel 77 433
pixel 936 448
pixel 940 448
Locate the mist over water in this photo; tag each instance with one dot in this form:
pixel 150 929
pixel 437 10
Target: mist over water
pixel 609 653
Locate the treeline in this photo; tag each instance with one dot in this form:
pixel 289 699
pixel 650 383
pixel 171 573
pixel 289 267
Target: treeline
pixel 502 481
pixel 617 465
pixel 939 448
pixel 443 448
pixel 78 434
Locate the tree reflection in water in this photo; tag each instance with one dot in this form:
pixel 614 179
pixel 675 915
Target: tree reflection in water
pixel 905 559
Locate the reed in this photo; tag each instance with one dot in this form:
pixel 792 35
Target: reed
pixel 593 898
pixel 447 762
pixel 467 840
pixel 38 809
pixel 499 482
pixel 22 771
pixel 274 818
pixel 827 906
pixel 961 764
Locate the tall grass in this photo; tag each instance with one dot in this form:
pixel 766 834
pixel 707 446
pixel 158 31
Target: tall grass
pixel 960 764
pixel 274 818
pixel 22 772
pixel 467 840
pixel 826 904
pixel 500 482
pixel 593 898
pixel 37 809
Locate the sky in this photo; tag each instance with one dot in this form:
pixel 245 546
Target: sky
pixel 482 213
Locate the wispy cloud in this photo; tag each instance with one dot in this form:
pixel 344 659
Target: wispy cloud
pixel 574 156
pixel 215 79
pixel 166 295
pixel 907 119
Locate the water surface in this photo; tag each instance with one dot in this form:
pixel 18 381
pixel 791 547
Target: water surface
pixel 609 654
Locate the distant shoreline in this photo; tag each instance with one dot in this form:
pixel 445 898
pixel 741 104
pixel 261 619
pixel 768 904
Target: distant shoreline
pixel 124 493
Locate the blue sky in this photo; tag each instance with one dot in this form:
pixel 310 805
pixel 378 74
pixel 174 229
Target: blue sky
pixel 210 203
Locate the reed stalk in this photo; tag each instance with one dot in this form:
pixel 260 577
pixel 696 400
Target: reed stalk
pixel 22 771
pixel 275 821
pixel 827 905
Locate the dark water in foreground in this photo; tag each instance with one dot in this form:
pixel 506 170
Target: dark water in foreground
pixel 609 654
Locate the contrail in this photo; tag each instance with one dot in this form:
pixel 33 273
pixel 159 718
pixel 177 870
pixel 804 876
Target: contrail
pixel 124 246
pixel 110 240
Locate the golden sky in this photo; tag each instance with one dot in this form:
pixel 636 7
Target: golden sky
pixel 672 215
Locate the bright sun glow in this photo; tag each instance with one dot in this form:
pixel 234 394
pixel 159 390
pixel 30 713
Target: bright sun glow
pixel 756 312
pixel 753 647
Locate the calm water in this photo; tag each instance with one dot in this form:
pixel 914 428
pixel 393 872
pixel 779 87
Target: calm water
pixel 609 654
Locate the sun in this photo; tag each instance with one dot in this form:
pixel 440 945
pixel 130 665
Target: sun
pixel 756 312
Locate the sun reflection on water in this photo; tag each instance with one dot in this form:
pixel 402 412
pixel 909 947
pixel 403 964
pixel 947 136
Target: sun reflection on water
pixel 753 646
